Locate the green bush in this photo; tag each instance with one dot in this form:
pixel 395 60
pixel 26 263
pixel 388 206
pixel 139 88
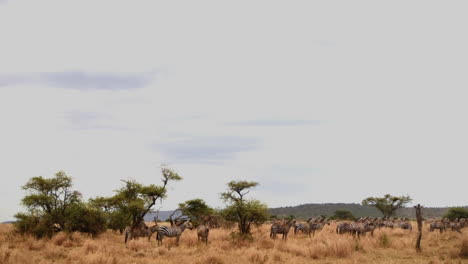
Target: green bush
pixel 343 215
pixel 82 218
pixel 456 212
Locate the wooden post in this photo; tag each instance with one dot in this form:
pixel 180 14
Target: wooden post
pixel 419 220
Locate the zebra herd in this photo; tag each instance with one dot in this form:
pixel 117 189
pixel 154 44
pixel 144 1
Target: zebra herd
pixel 442 225
pixel 143 230
pixel 359 227
pixel 365 225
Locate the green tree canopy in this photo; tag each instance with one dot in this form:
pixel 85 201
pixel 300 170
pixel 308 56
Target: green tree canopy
pixel 387 204
pixel 52 205
pixel 343 215
pixel 244 212
pixel 456 212
pixel 195 209
pixel 134 200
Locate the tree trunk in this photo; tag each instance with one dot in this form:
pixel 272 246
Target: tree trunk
pixel 419 220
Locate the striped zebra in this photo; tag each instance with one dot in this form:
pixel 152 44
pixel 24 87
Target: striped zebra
pixel 172 231
pixel 361 226
pixel 438 225
pixel 405 225
pixel 277 228
pixel 317 225
pixel 344 227
pixel 202 233
pixel 141 230
pixel 303 227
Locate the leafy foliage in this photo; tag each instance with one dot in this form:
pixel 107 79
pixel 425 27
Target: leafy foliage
pixel 456 212
pixel 195 209
pixel 134 200
pixel 244 212
pixel 52 206
pixel 387 204
pixel 343 215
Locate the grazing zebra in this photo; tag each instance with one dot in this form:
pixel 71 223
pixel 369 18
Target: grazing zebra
pixel 277 228
pixel 174 231
pixel 304 228
pixel 142 230
pixel 202 233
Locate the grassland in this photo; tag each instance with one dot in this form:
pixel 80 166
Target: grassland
pixel 387 246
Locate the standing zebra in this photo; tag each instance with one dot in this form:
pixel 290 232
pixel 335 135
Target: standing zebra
pixel 283 229
pixel 317 225
pixel 304 228
pixel 202 233
pixel 174 231
pixel 438 225
pixel 344 227
pixel 141 230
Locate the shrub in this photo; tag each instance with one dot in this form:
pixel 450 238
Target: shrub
pixel 456 212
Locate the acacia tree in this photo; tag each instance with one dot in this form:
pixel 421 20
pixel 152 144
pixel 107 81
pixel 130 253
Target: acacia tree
pixel 52 205
pixel 116 218
pixel 195 209
pixel 135 200
pixel 387 204
pixel 244 212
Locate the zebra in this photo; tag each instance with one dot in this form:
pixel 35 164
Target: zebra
pixel 438 225
pixel 202 233
pixel 359 228
pixel 406 226
pixel 174 231
pixel 141 230
pixel 318 225
pixel 455 226
pixel 277 228
pixel 362 226
pixel 304 228
pixel 344 227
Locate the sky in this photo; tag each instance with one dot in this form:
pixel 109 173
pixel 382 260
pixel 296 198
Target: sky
pixel 318 101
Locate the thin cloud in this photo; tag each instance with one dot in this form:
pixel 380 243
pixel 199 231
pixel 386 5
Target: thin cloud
pixel 79 120
pixel 276 122
pixel 80 80
pixel 206 150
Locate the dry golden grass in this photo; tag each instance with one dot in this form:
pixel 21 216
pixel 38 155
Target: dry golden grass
pixel 387 246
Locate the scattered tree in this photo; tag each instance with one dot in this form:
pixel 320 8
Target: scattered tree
pixel 196 209
pixel 387 204
pixel 456 212
pixel 53 206
pixel 343 215
pixel 135 200
pixel 244 212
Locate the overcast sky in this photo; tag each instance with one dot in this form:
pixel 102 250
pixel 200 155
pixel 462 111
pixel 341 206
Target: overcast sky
pixel 318 101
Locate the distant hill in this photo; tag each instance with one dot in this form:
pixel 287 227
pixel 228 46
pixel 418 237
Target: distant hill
pixel 305 211
pixel 7 222
pixel 162 215
pixel 310 210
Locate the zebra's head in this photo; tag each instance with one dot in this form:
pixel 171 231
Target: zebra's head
pixel 188 224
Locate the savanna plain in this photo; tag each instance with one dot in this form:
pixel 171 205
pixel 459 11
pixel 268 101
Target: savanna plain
pixel 386 246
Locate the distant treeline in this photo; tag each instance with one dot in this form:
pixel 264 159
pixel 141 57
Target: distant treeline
pixel 305 211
